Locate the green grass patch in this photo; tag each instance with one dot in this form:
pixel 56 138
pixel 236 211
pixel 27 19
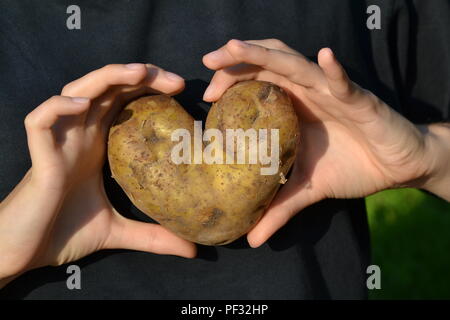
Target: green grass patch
pixel 410 232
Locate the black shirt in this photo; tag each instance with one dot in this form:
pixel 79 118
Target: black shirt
pixel 324 251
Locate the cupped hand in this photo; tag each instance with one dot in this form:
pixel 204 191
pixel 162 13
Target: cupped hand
pixel 59 212
pixel 351 143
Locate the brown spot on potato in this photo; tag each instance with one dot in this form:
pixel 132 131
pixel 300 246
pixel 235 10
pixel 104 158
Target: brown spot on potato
pixel 153 138
pixel 138 174
pixel 264 92
pixel 212 217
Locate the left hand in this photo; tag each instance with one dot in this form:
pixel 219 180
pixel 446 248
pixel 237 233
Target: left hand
pixel 59 212
pixel 352 143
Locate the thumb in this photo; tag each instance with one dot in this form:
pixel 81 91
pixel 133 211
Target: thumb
pixel 338 81
pixel 293 197
pixel 148 237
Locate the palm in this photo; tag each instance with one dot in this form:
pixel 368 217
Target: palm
pixel 352 151
pixel 83 224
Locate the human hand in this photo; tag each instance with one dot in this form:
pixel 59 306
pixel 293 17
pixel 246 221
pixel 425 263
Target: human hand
pixel 59 212
pixel 352 143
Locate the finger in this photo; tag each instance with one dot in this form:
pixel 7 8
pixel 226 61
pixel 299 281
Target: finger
pixel 338 81
pixel 38 123
pixel 158 81
pixel 106 106
pixel 273 44
pixel 225 78
pixel 148 237
pixel 292 198
pixel 295 67
pixel 162 81
pixel 46 114
pixel 97 82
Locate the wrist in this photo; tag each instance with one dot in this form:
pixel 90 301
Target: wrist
pixel 437 149
pixel 21 235
pixel 48 184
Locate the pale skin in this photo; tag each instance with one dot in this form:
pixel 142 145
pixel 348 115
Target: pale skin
pixel 59 212
pixel 352 145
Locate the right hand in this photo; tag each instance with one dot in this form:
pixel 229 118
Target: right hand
pixel 352 143
pixel 59 212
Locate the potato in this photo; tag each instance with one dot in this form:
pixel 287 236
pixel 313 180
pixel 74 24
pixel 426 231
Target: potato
pixel 210 204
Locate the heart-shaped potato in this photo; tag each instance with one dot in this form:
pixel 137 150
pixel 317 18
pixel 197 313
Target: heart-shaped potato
pixel 211 204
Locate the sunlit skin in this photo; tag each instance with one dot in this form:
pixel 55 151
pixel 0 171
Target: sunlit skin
pixel 352 143
pixel 59 212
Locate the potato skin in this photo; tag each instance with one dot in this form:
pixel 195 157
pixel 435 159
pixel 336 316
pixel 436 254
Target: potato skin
pixel 210 204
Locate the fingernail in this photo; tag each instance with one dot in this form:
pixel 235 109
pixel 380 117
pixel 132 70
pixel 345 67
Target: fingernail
pixel 80 100
pixel 133 66
pixel 173 77
pixel 208 92
pixel 330 52
pixel 214 55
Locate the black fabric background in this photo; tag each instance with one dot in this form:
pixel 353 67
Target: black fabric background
pixel 324 251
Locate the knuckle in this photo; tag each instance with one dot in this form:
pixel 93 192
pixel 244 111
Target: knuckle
pixel 52 100
pixel 108 68
pixel 365 99
pixel 67 88
pixel 235 48
pixel 34 117
pixel 29 121
pixel 346 88
pixel 230 43
pixel 374 102
pixel 276 43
